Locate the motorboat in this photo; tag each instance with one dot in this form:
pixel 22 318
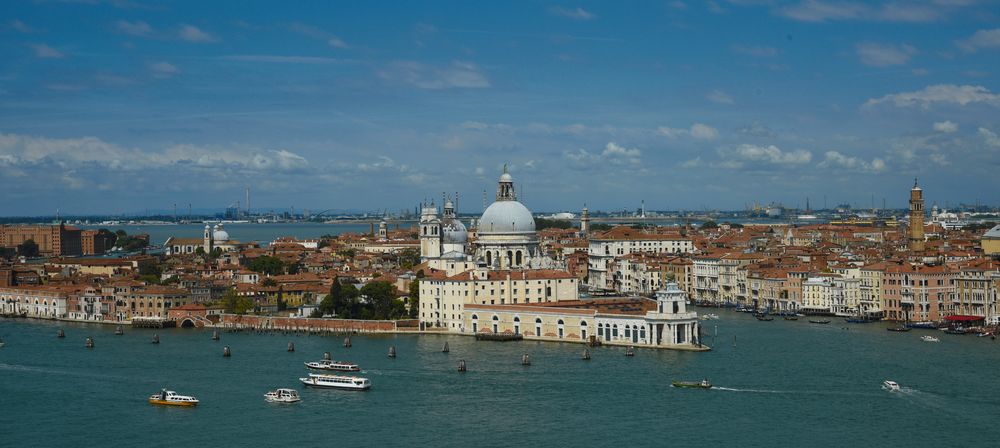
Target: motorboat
pixel 929 339
pixel 900 329
pixel 764 318
pixel 170 398
pixel 956 331
pixel 890 385
pixel 818 321
pixel 336 381
pixel 927 325
pixel 329 364
pixel 982 334
pixel 282 396
pixel 703 384
pixel 791 318
pixel 859 320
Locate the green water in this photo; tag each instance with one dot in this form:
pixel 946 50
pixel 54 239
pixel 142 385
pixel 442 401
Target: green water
pixel 782 384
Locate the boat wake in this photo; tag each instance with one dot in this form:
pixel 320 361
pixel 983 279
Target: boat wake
pixel 759 391
pixel 30 369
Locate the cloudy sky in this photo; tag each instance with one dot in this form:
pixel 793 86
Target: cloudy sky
pixel 119 106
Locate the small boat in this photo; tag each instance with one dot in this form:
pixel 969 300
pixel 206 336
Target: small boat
pixel 980 334
pixel 900 329
pixel 956 331
pixel 929 339
pixel 764 318
pixel 927 325
pixel 170 398
pixel 282 396
pixel 2 343
pixel 859 320
pixel 791 318
pixel 890 385
pixel 817 321
pixel 329 364
pixel 703 384
pixel 336 381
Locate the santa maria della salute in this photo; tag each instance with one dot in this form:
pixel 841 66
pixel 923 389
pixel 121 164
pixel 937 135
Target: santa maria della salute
pixel 504 237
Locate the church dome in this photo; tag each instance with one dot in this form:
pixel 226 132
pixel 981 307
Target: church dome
pixel 454 232
pixel 220 234
pixel 506 217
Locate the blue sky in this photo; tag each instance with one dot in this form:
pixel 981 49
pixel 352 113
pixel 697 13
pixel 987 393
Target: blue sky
pixel 119 106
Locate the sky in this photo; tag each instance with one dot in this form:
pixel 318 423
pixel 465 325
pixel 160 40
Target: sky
pixel 122 106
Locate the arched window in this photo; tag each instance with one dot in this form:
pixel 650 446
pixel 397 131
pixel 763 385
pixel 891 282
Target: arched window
pixel 517 258
pixel 475 323
pixel 614 330
pixel 583 329
pixel 496 324
pixel 600 330
pixel 561 326
pixel 517 325
pixel 489 258
pixel 538 326
pixel 510 258
pixel 642 332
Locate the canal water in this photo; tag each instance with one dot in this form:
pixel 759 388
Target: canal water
pixel 778 383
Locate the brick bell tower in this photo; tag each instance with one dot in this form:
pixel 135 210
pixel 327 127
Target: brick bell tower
pixel 916 218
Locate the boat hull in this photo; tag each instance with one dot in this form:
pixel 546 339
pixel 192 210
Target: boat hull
pixel 182 404
pixel 683 385
pixel 311 382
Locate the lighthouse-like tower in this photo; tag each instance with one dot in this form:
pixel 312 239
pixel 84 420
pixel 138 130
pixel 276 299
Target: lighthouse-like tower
pixel 916 218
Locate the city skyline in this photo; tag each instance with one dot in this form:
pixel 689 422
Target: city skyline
pixel 119 106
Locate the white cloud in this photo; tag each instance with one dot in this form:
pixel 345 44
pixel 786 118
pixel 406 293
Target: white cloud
pixel 990 137
pixel 720 97
pixel 337 42
pixel 46 52
pixel 457 75
pixel 137 28
pixel 757 155
pixel 28 150
pixel 884 55
pixel 823 11
pixel 612 155
pixel 837 160
pixel 572 13
pixel 697 130
pixel 938 94
pixel 21 27
pixel 758 51
pixel 192 33
pixel 692 163
pixel 164 69
pixel 981 40
pixel 615 150
pixel 946 126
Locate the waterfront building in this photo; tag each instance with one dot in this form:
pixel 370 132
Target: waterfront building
pixel 976 291
pixel 149 301
pixel 93 242
pixel 57 240
pixel 624 240
pixel 505 234
pixel 442 298
pixel 661 323
pixel 43 302
pixel 212 238
pixel 916 218
pixel 917 292
pixel 706 277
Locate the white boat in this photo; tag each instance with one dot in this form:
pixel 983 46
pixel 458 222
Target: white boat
pixel 339 366
pixel 929 339
pixel 336 381
pixel 890 385
pixel 170 398
pixel 282 396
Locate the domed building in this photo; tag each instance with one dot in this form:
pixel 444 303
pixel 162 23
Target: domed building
pixel 505 235
pixel 443 238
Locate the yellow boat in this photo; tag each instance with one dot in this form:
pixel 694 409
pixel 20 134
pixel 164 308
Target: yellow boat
pixel 170 398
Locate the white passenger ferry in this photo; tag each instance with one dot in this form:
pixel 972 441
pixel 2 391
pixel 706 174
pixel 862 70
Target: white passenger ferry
pixel 340 366
pixel 336 381
pixel 170 398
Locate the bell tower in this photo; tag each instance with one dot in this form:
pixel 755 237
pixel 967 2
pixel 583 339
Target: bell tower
pixel 430 232
pixel 916 218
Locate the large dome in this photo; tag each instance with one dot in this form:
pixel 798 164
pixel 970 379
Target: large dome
pixel 454 232
pixel 220 234
pixel 506 217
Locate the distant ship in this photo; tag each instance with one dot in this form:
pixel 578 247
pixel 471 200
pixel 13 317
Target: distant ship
pixel 806 217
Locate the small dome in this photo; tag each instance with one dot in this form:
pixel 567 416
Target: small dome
pixel 220 234
pixel 454 232
pixel 506 217
pixel 506 177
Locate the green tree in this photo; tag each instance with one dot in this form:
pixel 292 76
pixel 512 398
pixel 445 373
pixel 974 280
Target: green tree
pixel 29 248
pixel 709 225
pixel 414 299
pixel 347 253
pixel 409 258
pixel 543 223
pixel 267 265
pixel 236 304
pixel 268 281
pixel 381 296
pixel 199 250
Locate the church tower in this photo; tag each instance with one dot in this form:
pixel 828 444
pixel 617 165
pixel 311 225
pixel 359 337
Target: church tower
pixel 585 221
pixel 208 240
pixel 430 232
pixel 916 218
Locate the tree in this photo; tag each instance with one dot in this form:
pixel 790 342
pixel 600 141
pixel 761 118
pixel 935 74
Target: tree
pixel 414 299
pixel 347 253
pixel 236 304
pixel 543 223
pixel 409 258
pixel 268 282
pixel 709 225
pixel 381 296
pixel 267 265
pixel 29 248
pixel 217 252
pixel 199 250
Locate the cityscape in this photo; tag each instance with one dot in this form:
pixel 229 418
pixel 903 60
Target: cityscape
pixel 430 223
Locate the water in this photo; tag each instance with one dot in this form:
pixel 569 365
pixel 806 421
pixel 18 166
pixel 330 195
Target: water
pixel 783 384
pixel 244 232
